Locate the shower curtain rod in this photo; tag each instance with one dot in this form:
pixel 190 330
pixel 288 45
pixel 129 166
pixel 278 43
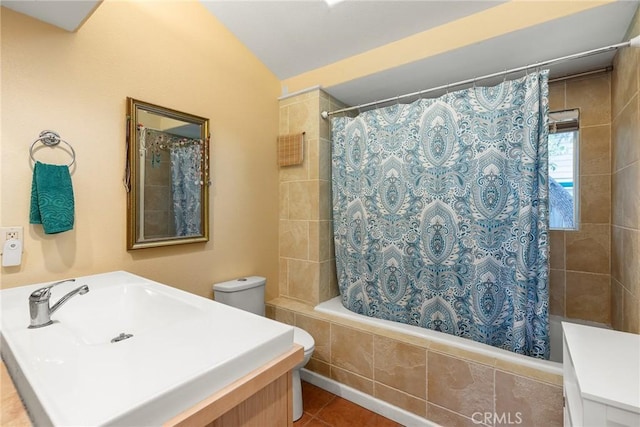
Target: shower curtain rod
pixel 634 42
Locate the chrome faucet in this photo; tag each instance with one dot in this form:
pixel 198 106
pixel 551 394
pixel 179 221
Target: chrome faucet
pixel 39 309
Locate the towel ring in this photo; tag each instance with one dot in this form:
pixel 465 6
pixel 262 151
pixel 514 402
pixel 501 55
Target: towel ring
pixel 51 139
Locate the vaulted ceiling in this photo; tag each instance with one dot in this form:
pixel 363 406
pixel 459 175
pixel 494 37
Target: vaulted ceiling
pixel 364 50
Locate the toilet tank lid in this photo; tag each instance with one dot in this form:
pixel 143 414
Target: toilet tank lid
pixel 239 284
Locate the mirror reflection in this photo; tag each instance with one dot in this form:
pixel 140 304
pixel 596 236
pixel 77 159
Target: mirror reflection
pixel 168 176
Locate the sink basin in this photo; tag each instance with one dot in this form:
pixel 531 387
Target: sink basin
pixel 99 316
pixel 181 349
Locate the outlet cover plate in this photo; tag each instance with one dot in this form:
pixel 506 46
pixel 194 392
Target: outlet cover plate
pixel 7 233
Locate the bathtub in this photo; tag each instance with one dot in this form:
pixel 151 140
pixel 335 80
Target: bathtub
pixel 182 349
pixel 553 365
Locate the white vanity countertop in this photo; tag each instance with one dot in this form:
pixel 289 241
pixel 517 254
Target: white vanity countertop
pixel 607 364
pixel 182 349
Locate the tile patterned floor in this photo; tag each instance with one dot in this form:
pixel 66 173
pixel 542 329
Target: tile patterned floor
pixel 324 409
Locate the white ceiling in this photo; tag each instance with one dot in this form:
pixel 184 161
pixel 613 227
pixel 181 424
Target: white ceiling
pixel 66 14
pixel 292 37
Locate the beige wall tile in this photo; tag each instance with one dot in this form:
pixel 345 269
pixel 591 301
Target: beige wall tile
pixel 461 353
pixel 617 305
pixel 283 204
pixel 324 130
pixel 294 239
pixel 617 257
pixel 352 350
pixel 631 310
pixel 595 199
pixel 283 276
pixel 624 82
pixel 401 366
pixel 445 417
pixel 294 173
pixel 283 127
pixel 319 367
pixel 284 316
pixel 556 249
pixel 625 247
pixel 325 236
pixel 320 330
pixel 356 381
pixel 328 281
pixel 616 200
pixel 303 200
pixel 269 311
pixel 631 253
pixel 595 147
pixel 625 135
pixel 463 387
pixel 313 156
pixel 556 291
pixel 325 205
pixel 528 372
pixel 314 241
pixel 325 159
pixel 402 400
pixel 588 296
pixel 536 403
pixel 627 196
pixel 588 249
pixel 592 95
pixel 556 96
pixel 304 116
pixel 625 183
pixel 320 241
pixel 304 277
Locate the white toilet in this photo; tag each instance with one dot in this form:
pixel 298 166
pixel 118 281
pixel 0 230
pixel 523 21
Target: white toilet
pixel 247 293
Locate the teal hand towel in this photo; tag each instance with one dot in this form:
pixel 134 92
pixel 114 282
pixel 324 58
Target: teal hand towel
pixel 52 202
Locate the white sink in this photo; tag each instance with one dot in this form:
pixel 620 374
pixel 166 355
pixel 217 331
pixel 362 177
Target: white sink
pixel 182 349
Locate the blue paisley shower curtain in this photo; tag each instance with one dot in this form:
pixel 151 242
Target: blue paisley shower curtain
pixel 186 183
pixel 441 210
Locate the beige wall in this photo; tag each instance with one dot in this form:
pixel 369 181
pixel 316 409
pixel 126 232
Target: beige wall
pixel 625 164
pixel 173 54
pixel 580 260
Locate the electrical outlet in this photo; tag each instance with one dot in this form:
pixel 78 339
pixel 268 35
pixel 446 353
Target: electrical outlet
pixel 7 233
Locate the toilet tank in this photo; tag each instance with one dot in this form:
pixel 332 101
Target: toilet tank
pixel 245 293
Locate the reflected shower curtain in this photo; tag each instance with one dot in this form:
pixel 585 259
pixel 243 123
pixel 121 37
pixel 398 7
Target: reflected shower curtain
pixel 185 188
pixel 441 210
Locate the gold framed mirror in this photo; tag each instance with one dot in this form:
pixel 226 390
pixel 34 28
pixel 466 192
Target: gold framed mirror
pixel 166 176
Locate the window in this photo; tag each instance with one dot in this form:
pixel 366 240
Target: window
pixel 563 170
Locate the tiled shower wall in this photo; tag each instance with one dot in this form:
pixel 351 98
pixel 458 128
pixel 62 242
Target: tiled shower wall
pixel 444 384
pixel 307 262
pixel 579 278
pixel 625 224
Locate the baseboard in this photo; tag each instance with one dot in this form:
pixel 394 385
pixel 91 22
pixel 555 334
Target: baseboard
pixel 373 404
